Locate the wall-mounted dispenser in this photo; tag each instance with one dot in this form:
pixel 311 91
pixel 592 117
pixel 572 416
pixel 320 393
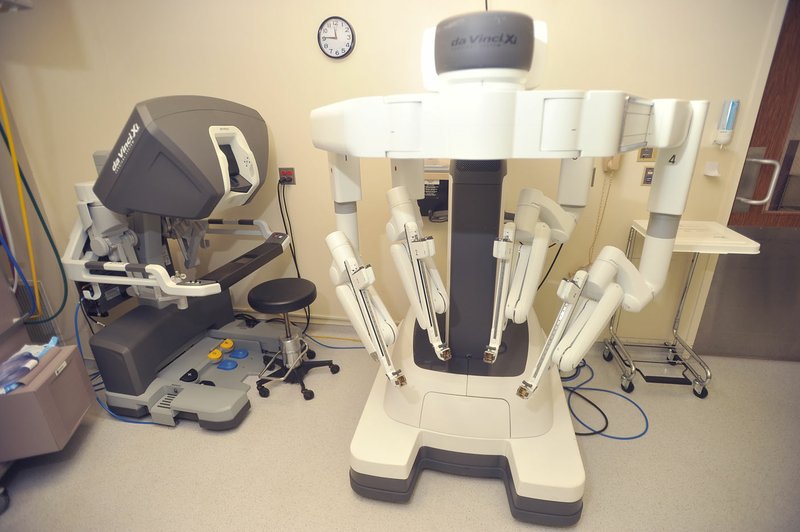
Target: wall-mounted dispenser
pixel 727 120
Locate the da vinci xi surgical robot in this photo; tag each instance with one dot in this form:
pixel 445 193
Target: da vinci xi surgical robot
pixel 469 382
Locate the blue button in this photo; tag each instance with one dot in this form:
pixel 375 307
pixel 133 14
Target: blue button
pixel 228 365
pixel 238 353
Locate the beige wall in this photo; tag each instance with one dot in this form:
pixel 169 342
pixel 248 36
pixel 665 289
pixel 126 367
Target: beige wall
pixel 72 71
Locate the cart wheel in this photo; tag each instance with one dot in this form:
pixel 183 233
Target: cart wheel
pixel 627 387
pixel 702 394
pixel 607 356
pixel 5 500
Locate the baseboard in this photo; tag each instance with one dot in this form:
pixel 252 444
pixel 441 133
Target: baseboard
pixel 296 317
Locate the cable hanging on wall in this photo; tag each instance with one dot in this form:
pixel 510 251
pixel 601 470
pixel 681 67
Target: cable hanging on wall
pixel 18 171
pixel 287 227
pixel 23 209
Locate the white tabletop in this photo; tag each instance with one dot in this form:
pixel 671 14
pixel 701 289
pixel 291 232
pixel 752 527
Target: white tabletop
pixel 706 237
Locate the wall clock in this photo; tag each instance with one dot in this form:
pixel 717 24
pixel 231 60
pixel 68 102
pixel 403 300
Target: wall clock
pixel 336 37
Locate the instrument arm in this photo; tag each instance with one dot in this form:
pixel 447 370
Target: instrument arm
pixel 413 258
pixel 522 247
pixel 362 304
pixel 612 280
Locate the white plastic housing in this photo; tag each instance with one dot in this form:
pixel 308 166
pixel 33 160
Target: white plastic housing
pixel 487 124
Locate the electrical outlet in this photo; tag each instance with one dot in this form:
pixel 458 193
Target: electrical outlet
pixel 286 176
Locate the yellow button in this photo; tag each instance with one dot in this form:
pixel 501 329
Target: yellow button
pixel 215 355
pixel 226 344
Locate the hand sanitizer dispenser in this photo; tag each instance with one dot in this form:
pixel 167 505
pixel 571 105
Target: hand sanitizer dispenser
pixel 726 122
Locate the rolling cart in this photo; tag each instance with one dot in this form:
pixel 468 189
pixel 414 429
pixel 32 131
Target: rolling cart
pixel 693 237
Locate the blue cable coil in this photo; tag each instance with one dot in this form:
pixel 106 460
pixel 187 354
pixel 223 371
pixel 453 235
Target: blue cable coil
pixel 572 390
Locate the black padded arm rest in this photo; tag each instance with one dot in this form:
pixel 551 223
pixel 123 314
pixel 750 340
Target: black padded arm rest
pixel 234 271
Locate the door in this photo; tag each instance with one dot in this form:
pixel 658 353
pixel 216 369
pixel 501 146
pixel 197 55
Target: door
pixel 753 304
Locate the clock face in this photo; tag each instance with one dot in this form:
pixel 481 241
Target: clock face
pixel 336 37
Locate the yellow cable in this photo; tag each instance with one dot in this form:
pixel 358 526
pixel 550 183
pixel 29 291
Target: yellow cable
pixel 22 208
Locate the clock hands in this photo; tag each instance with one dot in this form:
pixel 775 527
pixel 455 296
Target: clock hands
pixel 335 36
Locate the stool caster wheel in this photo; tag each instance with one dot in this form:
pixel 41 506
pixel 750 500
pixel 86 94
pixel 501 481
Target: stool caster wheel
pixel 702 394
pixel 311 355
pixel 627 387
pixel 334 369
pixel 263 391
pixel 607 356
pixel 308 395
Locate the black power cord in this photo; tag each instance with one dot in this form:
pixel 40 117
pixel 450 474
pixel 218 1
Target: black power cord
pixel 283 205
pixel 574 391
pixel 558 251
pixel 593 405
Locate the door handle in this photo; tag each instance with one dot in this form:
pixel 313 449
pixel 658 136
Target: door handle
pixel 772 183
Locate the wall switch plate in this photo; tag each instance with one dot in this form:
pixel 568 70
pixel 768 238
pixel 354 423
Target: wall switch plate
pixel 647 176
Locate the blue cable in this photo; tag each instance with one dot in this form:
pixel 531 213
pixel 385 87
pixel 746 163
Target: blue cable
pixel 576 374
pixel 582 365
pixel 126 420
pixel 573 389
pixel 77 332
pixel 331 346
pixel 21 275
pixel 610 436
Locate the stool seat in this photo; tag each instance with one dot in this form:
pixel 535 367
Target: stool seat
pixel 279 296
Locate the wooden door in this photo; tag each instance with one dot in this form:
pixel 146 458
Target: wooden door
pixel 776 136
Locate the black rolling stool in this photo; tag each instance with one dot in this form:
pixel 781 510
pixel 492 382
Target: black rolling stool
pixel 281 296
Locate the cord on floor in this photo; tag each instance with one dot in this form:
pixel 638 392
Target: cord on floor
pixel 573 391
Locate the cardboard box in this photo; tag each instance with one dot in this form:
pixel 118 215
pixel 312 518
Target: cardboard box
pixel 41 416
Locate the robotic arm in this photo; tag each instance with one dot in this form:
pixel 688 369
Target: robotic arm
pixel 365 309
pixel 481 111
pixel 591 297
pixel 413 258
pixel 538 221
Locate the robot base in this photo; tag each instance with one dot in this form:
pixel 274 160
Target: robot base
pixel 543 472
pixel 525 509
pixel 214 396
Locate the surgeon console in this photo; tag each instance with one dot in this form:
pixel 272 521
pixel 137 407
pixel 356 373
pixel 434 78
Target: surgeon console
pixel 179 352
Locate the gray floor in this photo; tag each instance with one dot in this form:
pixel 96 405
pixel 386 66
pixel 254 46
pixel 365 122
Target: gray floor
pixel 729 462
